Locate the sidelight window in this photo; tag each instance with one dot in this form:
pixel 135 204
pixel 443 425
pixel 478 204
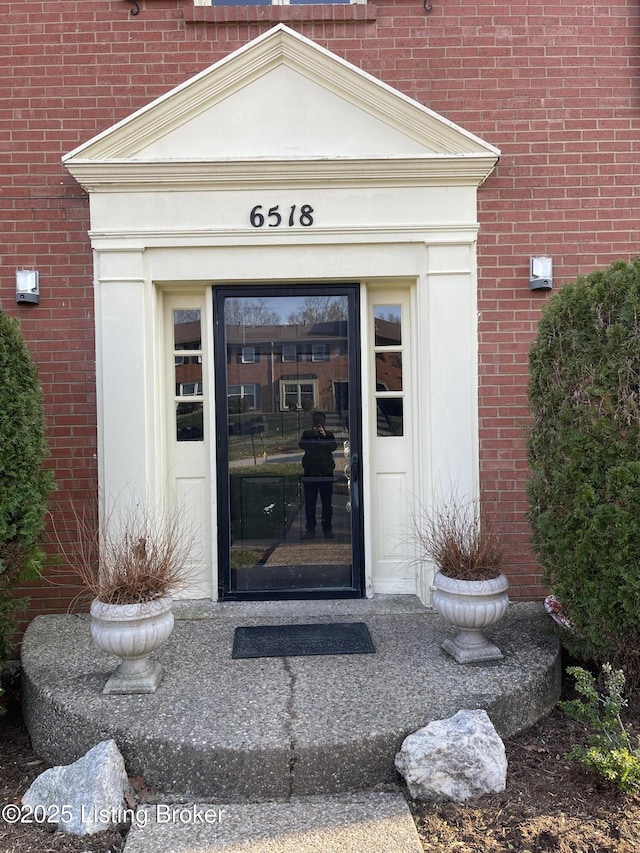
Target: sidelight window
pixel 188 381
pixel 387 320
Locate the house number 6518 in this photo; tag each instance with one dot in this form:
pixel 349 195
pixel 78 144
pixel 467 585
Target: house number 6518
pixel 273 218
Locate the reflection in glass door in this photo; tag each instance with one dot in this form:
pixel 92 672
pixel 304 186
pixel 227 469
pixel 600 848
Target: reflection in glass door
pixel 288 410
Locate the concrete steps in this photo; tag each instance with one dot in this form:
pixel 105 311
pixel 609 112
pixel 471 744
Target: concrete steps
pixel 278 728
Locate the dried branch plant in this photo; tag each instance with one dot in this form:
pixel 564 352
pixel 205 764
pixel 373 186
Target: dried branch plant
pixel 461 540
pixel 135 555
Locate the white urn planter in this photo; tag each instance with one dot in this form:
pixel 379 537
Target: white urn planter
pixel 132 632
pixel 471 606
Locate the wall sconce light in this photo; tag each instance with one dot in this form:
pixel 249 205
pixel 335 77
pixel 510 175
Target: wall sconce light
pixel 540 273
pixel 27 286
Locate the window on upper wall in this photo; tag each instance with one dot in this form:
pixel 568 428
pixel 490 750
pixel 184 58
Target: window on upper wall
pixel 274 2
pixel 319 352
pixel 289 353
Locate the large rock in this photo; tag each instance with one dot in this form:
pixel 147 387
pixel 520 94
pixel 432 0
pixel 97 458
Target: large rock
pixel 454 759
pixel 84 797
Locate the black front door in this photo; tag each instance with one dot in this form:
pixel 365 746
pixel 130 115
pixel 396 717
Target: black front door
pixel 288 414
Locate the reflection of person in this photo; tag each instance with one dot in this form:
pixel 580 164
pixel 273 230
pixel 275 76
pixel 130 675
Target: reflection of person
pixel 318 445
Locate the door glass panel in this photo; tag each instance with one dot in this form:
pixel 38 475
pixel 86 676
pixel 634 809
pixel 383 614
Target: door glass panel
pixel 189 422
pixel 390 416
pixel 287 447
pixel 186 329
pixel 387 324
pixel 389 371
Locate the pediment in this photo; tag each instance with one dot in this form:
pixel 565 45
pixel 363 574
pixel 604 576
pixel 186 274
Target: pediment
pixel 280 98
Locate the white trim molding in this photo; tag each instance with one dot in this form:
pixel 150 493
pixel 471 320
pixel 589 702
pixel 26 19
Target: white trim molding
pixel 390 202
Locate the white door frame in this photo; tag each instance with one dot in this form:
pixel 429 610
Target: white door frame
pixel 175 189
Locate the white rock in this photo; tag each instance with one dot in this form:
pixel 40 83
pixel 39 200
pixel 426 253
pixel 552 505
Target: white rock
pixel 84 797
pixel 454 759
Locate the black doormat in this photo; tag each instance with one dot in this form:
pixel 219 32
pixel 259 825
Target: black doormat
pixel 273 641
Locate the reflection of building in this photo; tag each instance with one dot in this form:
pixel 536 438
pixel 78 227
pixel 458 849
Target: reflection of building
pixel 288 367
pixel 389 385
pixel 188 384
pixel 388 361
pixel 188 367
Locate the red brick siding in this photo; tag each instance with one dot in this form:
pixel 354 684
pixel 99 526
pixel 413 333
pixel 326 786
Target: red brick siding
pixel 554 85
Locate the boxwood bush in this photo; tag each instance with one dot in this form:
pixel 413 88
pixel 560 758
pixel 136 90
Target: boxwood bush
pixel 24 484
pixel 584 456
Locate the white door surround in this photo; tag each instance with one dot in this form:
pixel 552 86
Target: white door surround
pixel 285 164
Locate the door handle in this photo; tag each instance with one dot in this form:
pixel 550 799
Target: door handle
pixel 355 468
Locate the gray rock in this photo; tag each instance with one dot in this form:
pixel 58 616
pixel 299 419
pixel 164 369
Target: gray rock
pixel 84 797
pixel 454 759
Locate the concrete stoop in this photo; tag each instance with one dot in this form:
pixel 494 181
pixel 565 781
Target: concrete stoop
pixel 373 822
pixel 277 730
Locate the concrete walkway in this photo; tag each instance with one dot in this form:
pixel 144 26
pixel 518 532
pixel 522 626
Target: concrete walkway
pixel 371 822
pixel 233 731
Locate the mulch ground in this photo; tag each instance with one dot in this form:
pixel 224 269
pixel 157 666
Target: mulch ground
pixel 550 804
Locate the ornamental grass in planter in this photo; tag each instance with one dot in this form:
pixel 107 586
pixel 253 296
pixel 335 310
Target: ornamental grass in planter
pixel 131 568
pixel 470 589
pixel 137 556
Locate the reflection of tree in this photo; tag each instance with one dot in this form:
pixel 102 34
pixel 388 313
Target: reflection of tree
pixel 244 312
pixel 320 309
pixel 390 317
pixel 185 315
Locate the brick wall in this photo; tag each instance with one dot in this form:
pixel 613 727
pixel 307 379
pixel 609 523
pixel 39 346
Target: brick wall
pixel 554 85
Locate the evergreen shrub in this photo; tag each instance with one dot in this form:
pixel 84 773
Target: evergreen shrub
pixel 24 483
pixel 584 457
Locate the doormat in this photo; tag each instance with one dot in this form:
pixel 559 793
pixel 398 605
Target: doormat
pixel 274 641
